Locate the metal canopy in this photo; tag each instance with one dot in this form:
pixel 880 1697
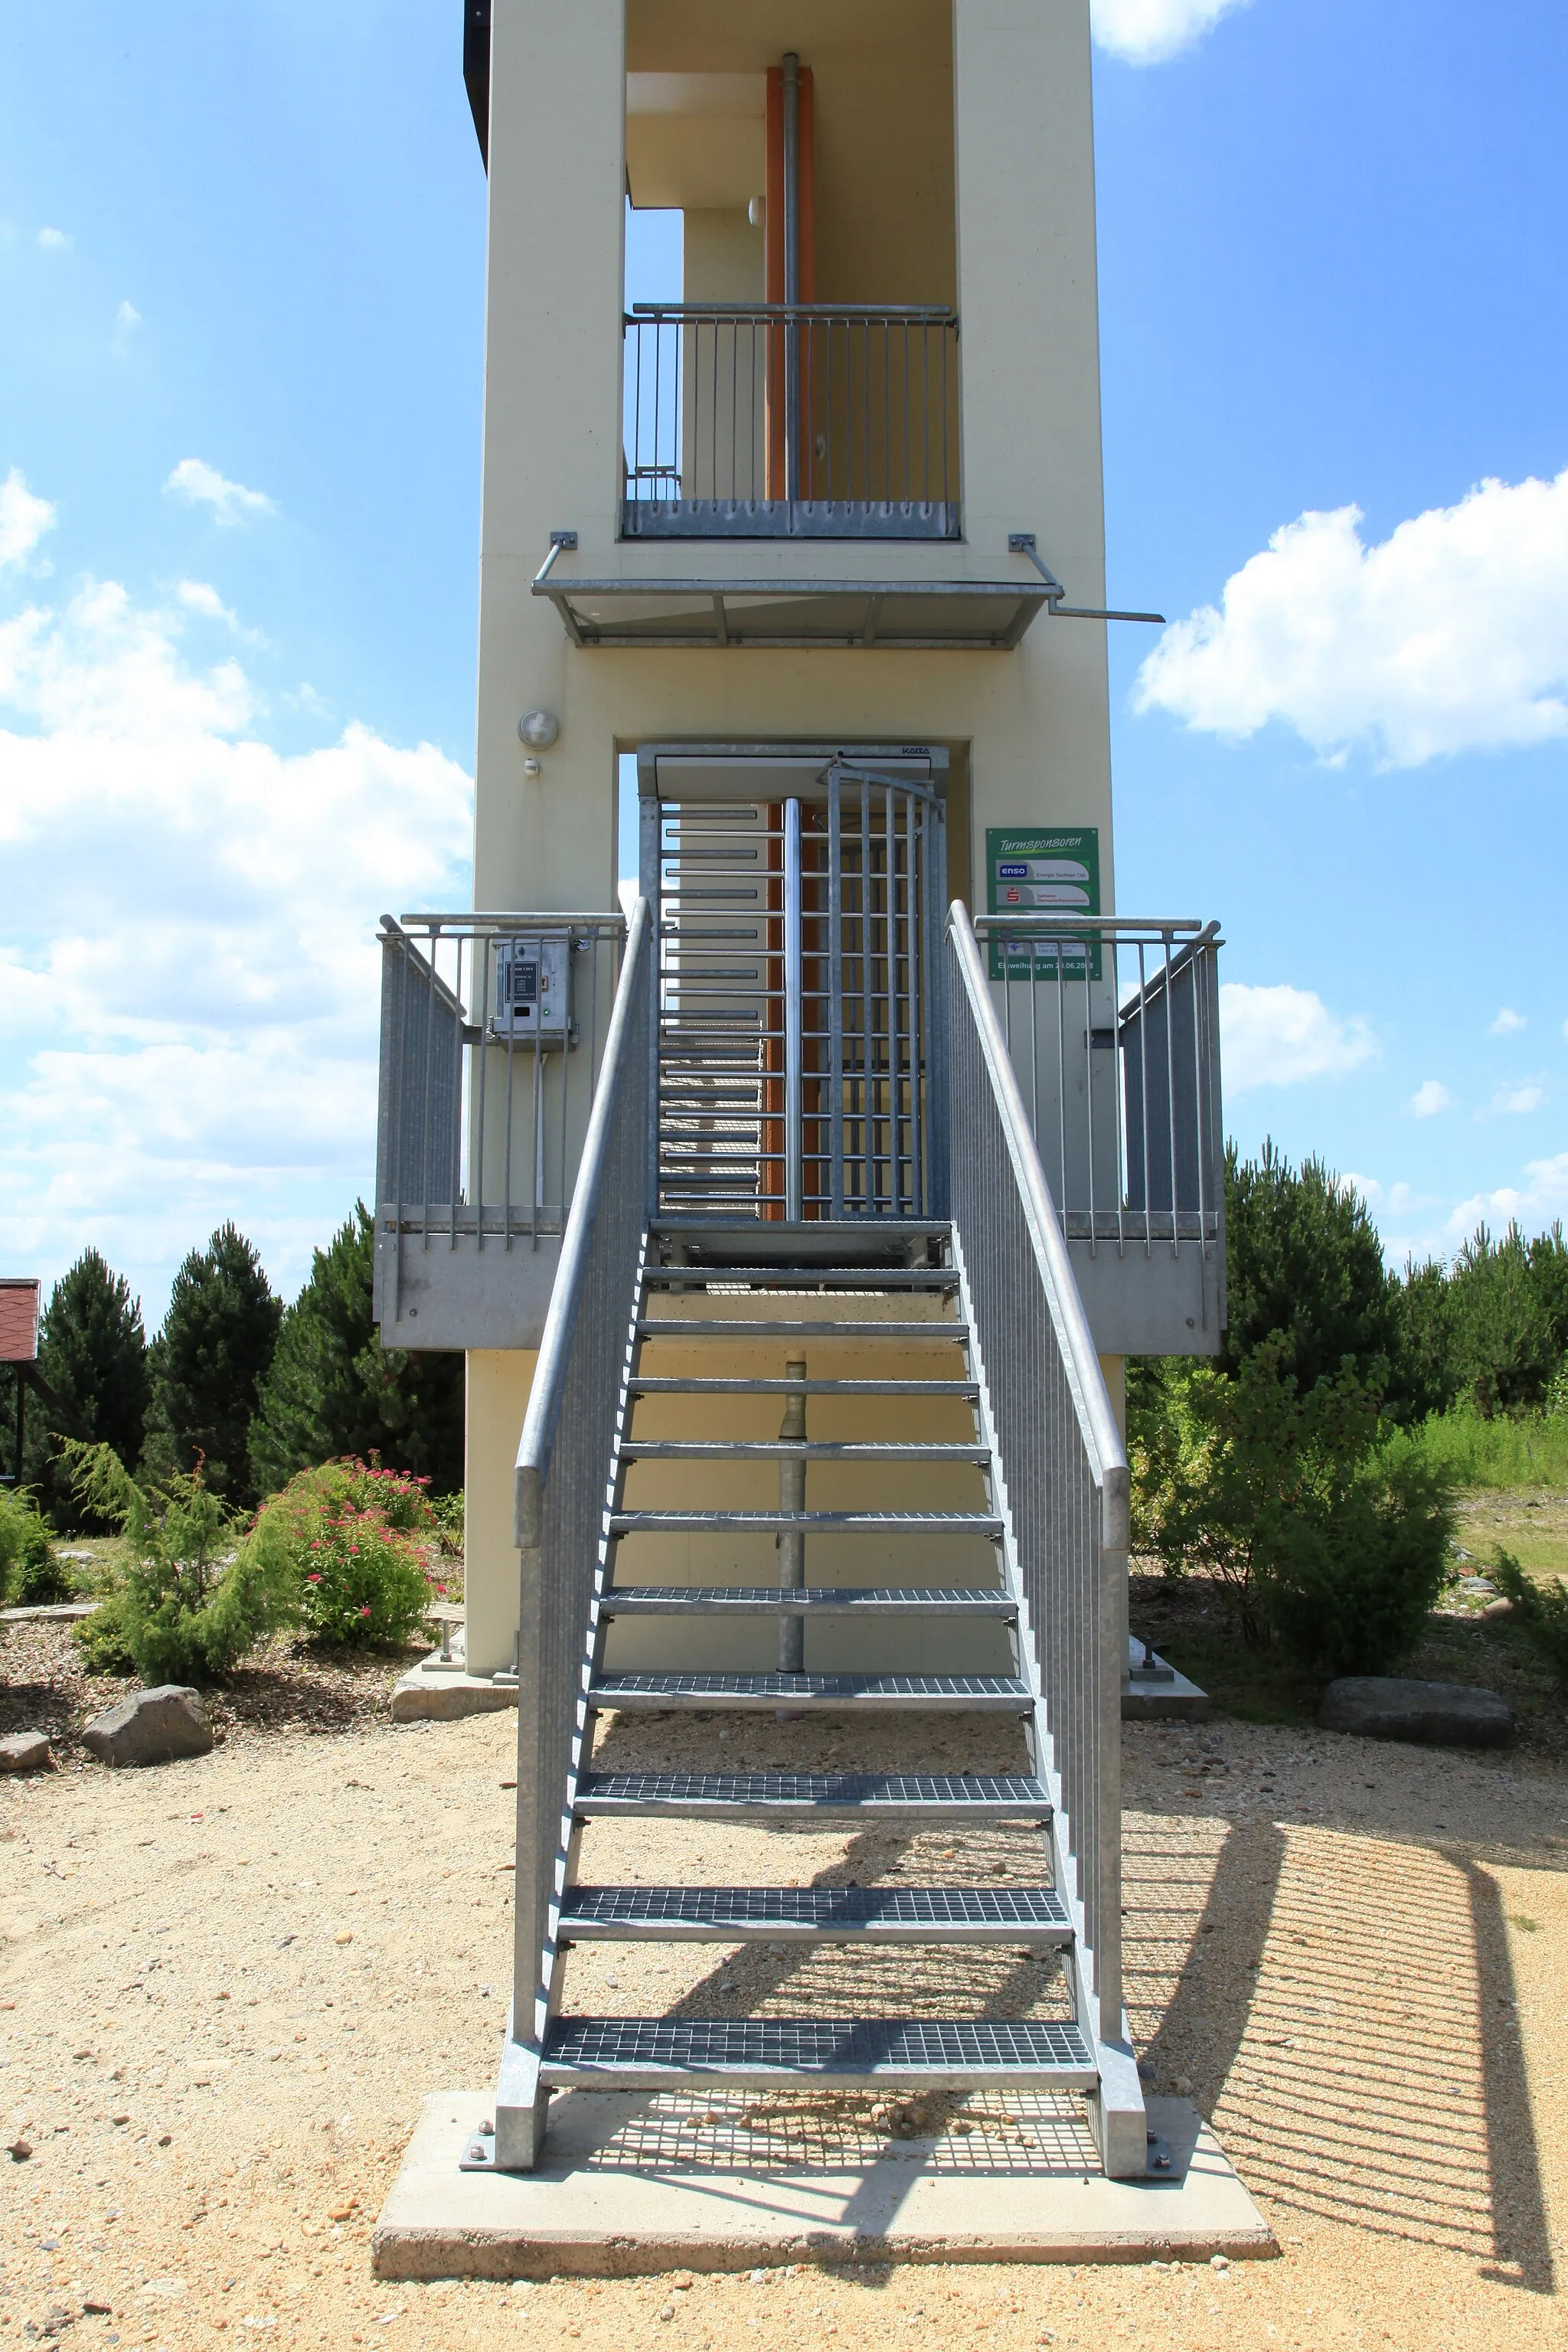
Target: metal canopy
pixel 913 615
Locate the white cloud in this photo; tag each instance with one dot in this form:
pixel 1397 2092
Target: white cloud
pixel 1430 1097
pixel 1508 1021
pixel 24 520
pixel 127 318
pixel 1447 636
pixel 202 485
pixel 1539 1202
pixel 189 985
pixel 1147 32
pixel 53 240
pixel 1521 1095
pixel 1280 1036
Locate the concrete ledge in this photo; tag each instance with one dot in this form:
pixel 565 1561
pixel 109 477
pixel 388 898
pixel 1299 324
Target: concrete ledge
pixel 430 1693
pixel 1175 1701
pixel 628 2188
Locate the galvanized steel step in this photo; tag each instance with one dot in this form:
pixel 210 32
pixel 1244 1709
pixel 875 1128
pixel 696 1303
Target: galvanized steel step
pixel 791 1449
pixel 873 1278
pixel 805 1600
pixel 969 1694
pixel 954 1800
pixel 752 2053
pixel 879 1915
pixel 799 1327
pixel 701 1384
pixel 771 1523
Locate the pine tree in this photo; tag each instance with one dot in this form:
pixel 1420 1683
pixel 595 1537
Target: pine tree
pixel 92 1352
pixel 334 1390
pixel 207 1365
pixel 1304 1258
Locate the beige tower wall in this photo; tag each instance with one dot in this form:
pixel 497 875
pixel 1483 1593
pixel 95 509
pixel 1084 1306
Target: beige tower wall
pixel 1009 141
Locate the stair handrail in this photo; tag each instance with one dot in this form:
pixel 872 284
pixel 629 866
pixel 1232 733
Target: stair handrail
pixel 544 1397
pixel 1063 1489
pixel 567 1464
pixel 1097 1417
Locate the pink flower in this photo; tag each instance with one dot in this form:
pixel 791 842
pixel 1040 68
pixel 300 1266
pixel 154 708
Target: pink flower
pixel 313 1580
pixel 365 1611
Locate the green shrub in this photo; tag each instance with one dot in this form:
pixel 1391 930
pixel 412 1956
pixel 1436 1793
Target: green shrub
pixel 353 1540
pixel 1542 1609
pixel 30 1575
pixel 1509 1318
pixel 1328 1531
pixel 193 1596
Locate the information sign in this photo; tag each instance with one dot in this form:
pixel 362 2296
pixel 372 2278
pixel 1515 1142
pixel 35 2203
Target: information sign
pixel 1056 867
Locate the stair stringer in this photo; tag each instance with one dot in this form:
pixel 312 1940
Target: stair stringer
pixel 521 2100
pixel 1117 2112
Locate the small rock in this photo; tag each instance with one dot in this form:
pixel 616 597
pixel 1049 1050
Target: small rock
pixel 667 2311
pixel 1440 1714
pixel 151 1727
pixel 1219 2262
pixel 24 1751
pixel 19 2150
pixel 344 1936
pixel 1184 2086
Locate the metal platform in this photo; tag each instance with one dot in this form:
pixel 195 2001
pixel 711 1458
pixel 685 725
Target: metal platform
pixel 801 1327
pixel 700 1384
pixel 966 1694
pixel 961 1800
pixel 792 1449
pixel 924 1915
pixel 753 2052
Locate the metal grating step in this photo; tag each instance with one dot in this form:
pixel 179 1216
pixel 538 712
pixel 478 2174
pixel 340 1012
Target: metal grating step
pixel 634 2052
pixel 805 1600
pixel 952 1798
pixel 790 1449
pixel 827 1278
pixel 672 1384
pixel 769 1522
pixel 971 1693
pixel 799 1327
pixel 899 1914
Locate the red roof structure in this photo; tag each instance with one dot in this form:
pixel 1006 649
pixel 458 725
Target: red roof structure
pixel 18 1319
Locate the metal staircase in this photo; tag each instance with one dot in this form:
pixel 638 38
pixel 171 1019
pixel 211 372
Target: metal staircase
pixel 911 1409
pixel 777 1304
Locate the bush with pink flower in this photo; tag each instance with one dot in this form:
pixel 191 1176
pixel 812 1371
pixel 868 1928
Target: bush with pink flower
pixel 360 1542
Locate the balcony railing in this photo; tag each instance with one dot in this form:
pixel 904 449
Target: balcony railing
pixel 492 1028
pixel 806 420
pixel 1113 1029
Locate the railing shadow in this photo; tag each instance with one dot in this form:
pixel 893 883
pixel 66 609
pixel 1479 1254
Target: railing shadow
pixel 1343 2006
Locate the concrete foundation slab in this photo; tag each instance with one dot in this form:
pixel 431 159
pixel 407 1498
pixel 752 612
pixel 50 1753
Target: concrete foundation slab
pixel 1170 1699
pixel 433 1692
pixel 637 2183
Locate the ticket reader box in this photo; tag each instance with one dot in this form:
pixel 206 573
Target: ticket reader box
pixel 531 989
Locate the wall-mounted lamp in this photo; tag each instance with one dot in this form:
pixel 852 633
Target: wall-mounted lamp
pixel 532 770
pixel 538 730
pixel 755 210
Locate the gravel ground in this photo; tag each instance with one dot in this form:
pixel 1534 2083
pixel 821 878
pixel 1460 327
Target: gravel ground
pixel 225 1985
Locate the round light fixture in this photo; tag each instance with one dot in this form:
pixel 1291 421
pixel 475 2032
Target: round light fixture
pixel 756 211
pixel 538 730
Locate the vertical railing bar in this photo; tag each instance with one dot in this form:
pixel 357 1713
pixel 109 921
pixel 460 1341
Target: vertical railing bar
pixel 1143 1091
pixel 835 986
pixel 1118 1088
pixel 1089 1083
pixel 1168 943
pixel 1062 1076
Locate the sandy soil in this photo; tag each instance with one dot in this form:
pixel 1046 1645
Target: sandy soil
pixel 225 1985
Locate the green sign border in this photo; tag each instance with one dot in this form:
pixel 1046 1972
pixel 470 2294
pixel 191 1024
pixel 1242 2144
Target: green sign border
pixel 1005 843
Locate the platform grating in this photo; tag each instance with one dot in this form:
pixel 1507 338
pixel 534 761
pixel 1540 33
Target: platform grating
pixel 809 1599
pixel 981 1693
pixel 817 1910
pixel 962 2049
pixel 999 1796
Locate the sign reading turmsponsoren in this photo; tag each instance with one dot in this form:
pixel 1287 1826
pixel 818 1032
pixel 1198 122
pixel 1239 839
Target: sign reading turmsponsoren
pixel 1058 868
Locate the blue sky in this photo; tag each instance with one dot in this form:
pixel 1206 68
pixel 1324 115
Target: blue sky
pixel 241 277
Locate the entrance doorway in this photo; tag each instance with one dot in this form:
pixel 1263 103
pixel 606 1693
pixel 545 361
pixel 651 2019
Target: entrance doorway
pixel 798 893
